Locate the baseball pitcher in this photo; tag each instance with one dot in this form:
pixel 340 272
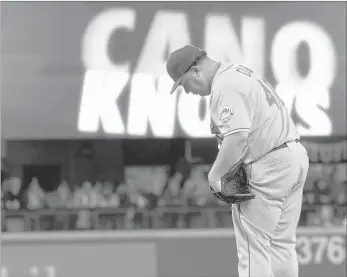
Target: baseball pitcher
pixel 261 166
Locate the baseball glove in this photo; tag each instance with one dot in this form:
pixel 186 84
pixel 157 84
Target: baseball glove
pixel 235 186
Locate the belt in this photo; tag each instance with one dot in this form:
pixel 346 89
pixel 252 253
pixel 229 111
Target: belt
pixel 283 145
pixel 273 149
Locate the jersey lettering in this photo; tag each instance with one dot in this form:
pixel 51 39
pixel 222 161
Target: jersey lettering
pixel 244 70
pixel 270 94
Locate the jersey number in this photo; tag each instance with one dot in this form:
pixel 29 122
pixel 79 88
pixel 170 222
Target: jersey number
pixel 270 94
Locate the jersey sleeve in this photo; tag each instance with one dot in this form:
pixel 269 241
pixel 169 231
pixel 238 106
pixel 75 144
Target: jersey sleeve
pixel 234 113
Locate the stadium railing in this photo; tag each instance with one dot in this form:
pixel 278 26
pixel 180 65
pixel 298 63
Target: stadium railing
pixel 122 218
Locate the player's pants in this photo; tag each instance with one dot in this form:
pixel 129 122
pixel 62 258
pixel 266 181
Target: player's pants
pixel 265 228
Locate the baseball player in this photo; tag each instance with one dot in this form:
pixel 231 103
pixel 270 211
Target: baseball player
pixel 251 125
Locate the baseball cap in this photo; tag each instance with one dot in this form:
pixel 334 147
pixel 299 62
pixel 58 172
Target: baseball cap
pixel 180 61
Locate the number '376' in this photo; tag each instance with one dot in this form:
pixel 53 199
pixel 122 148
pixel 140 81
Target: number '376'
pixel 314 249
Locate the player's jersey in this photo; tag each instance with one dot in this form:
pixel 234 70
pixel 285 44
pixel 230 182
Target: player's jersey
pixel 242 101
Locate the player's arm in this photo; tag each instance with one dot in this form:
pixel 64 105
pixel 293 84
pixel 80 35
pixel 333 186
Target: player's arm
pixel 235 119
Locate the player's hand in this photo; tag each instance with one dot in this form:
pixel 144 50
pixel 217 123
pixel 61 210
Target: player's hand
pixel 216 185
pixel 233 187
pixel 214 182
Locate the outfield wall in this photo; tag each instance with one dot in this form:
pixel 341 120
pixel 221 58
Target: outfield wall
pixel 169 253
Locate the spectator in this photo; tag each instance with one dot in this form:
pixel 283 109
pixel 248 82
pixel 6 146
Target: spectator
pixel 109 199
pixel 321 193
pixel 98 188
pixel 2 198
pixel 13 198
pixel 155 191
pixel 190 187
pixel 327 216
pixel 339 187
pixel 183 167
pixel 312 219
pixel 3 192
pixel 108 196
pixel 3 175
pixel 340 172
pixel 339 190
pixel 64 195
pixel 137 201
pixel 52 199
pixel 171 194
pixel 85 198
pixel 136 198
pixel 340 201
pixel 122 191
pixel 35 195
pixel 196 188
pixel 61 197
pixel 58 199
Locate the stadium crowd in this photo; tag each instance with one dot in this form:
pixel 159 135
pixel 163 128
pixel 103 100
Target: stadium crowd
pixel 177 204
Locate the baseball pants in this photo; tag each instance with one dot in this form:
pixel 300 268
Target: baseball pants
pixel 265 228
